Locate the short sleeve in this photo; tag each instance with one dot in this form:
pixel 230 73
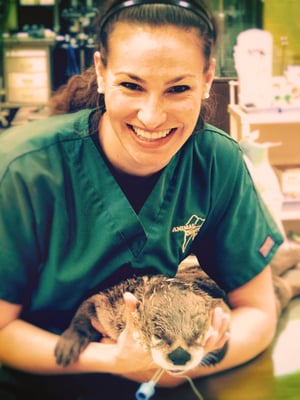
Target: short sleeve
pixel 19 252
pixel 240 237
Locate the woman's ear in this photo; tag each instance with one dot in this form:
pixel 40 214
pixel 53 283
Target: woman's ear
pixel 209 75
pixel 99 68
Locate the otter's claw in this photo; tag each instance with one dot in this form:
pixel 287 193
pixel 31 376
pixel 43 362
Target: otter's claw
pixel 69 346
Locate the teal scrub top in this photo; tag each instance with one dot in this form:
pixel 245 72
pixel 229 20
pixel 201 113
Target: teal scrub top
pixel 66 226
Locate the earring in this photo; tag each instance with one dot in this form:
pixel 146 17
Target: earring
pixel 100 83
pixel 206 91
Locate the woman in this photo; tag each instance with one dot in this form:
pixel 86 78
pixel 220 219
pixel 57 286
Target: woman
pixel 131 187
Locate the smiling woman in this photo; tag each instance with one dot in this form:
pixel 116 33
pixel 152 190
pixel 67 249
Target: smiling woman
pixel 128 181
pixel 150 115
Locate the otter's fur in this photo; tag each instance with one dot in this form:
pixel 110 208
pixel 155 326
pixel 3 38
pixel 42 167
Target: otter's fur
pixel 172 319
pixel 173 315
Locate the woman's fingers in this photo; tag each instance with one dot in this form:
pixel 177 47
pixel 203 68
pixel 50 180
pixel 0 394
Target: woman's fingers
pixel 219 333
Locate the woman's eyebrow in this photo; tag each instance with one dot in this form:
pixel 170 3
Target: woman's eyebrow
pixel 179 78
pixel 132 76
pixel 170 82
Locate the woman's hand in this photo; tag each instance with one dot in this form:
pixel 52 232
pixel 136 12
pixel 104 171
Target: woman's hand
pixel 130 356
pixel 137 363
pixel 219 331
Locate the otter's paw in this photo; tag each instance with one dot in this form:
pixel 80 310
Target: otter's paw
pixel 69 347
pixel 214 357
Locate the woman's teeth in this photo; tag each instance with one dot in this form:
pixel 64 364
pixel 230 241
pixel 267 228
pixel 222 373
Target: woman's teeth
pixel 151 135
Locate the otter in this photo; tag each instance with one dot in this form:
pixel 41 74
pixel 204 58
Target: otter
pixel 172 319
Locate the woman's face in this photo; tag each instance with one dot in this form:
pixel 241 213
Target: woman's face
pixel 154 82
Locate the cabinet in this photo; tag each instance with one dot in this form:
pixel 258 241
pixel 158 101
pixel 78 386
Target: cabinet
pixel 27 72
pixel 274 126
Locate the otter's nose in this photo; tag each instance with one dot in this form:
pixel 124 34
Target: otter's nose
pixel 179 356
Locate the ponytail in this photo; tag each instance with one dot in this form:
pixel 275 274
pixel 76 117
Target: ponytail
pixel 78 93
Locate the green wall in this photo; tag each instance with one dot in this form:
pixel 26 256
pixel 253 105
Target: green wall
pixel 282 19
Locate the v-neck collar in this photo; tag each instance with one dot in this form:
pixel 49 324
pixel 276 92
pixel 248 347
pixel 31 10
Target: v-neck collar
pixel 132 226
pixel 136 188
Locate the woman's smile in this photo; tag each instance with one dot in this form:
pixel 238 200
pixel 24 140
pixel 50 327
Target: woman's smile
pixel 150 135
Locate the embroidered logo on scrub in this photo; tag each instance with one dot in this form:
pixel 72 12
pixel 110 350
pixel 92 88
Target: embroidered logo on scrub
pixel 190 230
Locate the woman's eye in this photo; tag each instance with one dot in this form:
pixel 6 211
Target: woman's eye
pixel 131 86
pixel 179 89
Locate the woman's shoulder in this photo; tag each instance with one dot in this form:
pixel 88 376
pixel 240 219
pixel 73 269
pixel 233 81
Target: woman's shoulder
pixel 214 136
pixel 46 129
pixel 36 135
pixel 214 144
pixel 18 144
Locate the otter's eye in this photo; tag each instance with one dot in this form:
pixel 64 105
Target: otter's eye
pixel 157 336
pixel 120 327
pixel 158 339
pixel 199 341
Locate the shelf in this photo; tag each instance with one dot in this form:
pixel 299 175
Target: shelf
pixel 275 126
pixel 275 116
pixel 291 210
pixel 27 73
pixel 241 122
pixel 289 215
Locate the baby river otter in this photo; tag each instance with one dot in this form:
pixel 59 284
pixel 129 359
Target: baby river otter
pixel 172 319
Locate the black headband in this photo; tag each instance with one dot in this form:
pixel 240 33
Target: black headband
pixel 187 5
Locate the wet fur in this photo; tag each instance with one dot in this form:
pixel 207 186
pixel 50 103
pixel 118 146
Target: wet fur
pixel 172 318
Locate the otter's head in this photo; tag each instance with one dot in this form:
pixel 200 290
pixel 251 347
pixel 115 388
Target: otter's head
pixel 173 322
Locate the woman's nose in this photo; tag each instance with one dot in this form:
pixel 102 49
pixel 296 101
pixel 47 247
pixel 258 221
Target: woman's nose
pixel 152 113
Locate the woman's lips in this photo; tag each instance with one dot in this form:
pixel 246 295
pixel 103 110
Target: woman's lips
pixel 147 135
